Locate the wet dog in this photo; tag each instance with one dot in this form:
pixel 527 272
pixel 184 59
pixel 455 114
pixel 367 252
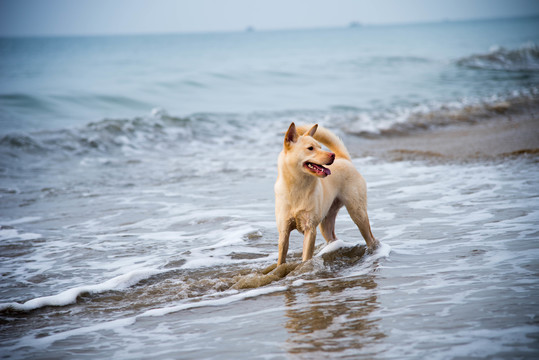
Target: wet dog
pixel 311 187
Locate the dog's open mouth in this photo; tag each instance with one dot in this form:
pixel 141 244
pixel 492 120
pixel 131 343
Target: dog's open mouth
pixel 316 169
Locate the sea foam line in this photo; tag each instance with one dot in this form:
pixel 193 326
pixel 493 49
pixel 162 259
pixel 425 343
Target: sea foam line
pixel 43 342
pixel 70 296
pixel 382 251
pixel 129 279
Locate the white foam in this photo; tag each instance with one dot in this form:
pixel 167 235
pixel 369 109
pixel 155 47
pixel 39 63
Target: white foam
pixel 217 252
pixel 299 282
pixel 382 251
pixel 22 220
pixel 333 246
pixel 133 277
pixel 215 302
pixel 366 266
pixel 163 236
pixel 116 325
pixel 70 296
pixel 6 234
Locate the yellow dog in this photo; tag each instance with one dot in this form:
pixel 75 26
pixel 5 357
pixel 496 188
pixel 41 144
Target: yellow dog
pixel 313 185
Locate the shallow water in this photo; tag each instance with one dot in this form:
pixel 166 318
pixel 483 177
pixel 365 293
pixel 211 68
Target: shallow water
pixel 460 278
pixel 152 232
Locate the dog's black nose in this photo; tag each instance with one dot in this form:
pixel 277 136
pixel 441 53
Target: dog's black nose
pixel 332 155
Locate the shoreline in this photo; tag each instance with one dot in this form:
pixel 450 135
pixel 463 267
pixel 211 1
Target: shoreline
pixel 499 136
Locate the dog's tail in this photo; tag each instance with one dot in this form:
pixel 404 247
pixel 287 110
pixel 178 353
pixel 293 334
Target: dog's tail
pixel 326 137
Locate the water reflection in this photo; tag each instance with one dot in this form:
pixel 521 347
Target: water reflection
pixel 332 316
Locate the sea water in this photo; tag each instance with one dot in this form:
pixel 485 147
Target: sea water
pixel 136 196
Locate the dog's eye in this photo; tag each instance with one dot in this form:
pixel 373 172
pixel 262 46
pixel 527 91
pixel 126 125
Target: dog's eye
pixel 310 148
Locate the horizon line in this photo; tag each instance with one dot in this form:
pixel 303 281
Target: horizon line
pixel 249 28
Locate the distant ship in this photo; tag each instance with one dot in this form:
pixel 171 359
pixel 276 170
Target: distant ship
pixel 249 29
pixel 355 24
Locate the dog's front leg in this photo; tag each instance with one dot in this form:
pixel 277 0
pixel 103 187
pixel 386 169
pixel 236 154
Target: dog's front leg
pixel 308 243
pixel 284 236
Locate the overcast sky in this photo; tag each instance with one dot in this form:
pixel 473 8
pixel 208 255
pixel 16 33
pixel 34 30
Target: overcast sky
pixel 85 17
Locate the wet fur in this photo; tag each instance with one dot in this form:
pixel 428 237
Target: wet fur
pixel 306 199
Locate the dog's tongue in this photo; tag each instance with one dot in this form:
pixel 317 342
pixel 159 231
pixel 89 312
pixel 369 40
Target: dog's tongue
pixel 326 171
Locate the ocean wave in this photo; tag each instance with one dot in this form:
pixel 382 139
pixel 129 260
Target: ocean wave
pixel 20 141
pixel 101 100
pixel 230 297
pixel 525 58
pixel 26 101
pixel 105 136
pixel 70 296
pixel 391 61
pixel 186 282
pixel 159 131
pixel 403 59
pixel 425 117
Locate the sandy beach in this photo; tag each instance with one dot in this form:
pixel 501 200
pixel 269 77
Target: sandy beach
pixel 507 132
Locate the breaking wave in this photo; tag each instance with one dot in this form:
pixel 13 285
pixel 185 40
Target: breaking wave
pixel 70 296
pixel 181 283
pixel 157 131
pixel 423 117
pixel 160 132
pixel 525 58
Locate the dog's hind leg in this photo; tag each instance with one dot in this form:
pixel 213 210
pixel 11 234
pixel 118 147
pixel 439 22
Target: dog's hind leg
pixel 361 219
pixel 327 226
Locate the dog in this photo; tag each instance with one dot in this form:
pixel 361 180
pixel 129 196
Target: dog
pixel 313 184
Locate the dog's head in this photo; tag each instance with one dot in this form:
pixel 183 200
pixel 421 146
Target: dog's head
pixel 306 153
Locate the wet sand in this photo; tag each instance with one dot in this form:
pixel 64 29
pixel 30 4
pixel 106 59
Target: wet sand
pixel 493 138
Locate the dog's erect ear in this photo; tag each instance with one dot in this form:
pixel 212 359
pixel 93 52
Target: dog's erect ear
pixel 313 130
pixel 291 135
